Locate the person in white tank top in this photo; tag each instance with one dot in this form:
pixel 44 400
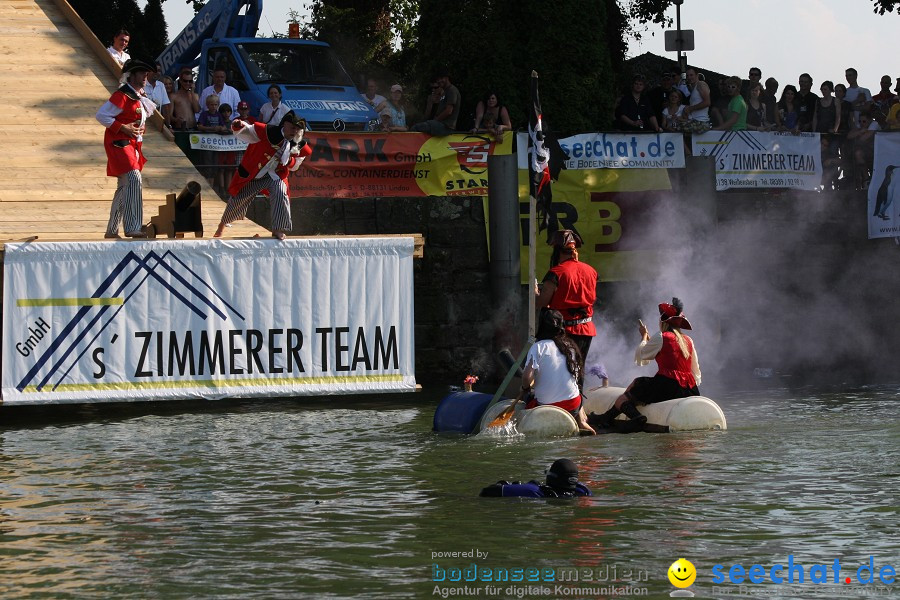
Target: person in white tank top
pixel 698 101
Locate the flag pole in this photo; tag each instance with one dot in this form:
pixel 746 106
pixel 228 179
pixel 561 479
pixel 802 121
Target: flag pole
pixel 532 258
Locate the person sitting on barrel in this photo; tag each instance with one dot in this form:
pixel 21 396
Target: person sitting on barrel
pixel 679 370
pixel 553 369
pixel 562 482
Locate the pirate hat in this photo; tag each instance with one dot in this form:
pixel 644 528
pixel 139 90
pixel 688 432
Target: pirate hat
pixel 136 64
pixel 673 315
pixel 565 238
pixel 293 119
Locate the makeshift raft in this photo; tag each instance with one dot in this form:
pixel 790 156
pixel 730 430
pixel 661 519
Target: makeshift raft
pixel 468 412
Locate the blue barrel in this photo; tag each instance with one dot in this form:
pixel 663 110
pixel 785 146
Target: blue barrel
pixel 460 411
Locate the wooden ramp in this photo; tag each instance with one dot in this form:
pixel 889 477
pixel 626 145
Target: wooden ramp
pixel 54 75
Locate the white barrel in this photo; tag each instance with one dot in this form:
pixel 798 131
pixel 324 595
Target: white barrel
pixel 494 410
pixel 547 421
pixel 693 413
pixel 540 421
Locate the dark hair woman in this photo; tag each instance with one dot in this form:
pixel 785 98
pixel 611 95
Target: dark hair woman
pixel 273 111
pixel 490 106
pixel 553 369
pixel 679 370
pixel 786 112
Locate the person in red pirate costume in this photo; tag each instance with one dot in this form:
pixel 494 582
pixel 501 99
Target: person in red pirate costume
pixel 570 286
pixel 678 375
pixel 124 116
pixel 274 152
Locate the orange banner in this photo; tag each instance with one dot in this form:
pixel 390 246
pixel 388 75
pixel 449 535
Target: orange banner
pixel 360 165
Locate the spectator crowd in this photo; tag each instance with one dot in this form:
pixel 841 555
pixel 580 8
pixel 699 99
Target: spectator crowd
pixel 847 115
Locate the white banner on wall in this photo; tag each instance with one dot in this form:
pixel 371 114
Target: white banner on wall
pixel 753 159
pixel 616 151
pixel 216 142
pixel 884 189
pixel 156 320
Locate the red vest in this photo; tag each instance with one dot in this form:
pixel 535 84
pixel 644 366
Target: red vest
pixel 673 364
pixel 576 292
pixel 257 155
pixel 123 153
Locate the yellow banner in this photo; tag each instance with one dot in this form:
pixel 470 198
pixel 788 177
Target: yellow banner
pixel 613 210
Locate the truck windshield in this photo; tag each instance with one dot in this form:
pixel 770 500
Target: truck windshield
pixel 293 64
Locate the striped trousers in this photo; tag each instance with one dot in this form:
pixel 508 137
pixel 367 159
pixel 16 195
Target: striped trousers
pixel 278 198
pixel 127 204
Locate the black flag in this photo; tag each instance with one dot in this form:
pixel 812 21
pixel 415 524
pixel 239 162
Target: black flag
pixel 547 158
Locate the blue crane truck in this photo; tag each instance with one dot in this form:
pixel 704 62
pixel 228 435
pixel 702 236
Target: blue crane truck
pixel 313 82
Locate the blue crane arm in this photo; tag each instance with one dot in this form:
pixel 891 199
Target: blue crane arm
pixel 218 19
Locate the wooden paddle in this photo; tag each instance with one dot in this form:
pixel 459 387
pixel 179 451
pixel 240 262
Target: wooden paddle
pixel 509 375
pixel 504 417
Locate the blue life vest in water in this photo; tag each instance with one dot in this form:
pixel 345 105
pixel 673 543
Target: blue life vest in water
pixel 532 489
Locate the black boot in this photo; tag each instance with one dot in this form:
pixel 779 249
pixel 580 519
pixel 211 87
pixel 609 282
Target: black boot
pixel 631 411
pixel 636 420
pixel 604 421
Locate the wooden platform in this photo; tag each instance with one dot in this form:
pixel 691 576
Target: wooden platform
pixel 53 184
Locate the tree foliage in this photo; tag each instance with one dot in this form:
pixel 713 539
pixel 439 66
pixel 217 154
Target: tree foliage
pixel 494 46
pixel 578 47
pixel 154 28
pixel 147 28
pixel 358 30
pixel 886 6
pixel 371 37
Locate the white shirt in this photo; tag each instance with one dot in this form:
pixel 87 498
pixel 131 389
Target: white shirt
pixel 702 114
pixel 272 116
pixel 667 116
pixel 120 57
pixel 647 351
pixel 228 95
pixel 376 101
pixel 851 96
pixel 552 380
pixel 157 93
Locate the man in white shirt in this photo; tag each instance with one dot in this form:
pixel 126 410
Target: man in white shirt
pixel 120 43
pixel 156 91
pixel 860 98
pixel 227 94
pixel 373 98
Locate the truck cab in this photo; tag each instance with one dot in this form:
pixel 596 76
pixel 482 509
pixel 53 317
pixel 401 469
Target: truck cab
pixel 313 82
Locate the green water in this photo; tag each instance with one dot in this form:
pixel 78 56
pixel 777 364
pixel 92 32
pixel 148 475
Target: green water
pixel 287 499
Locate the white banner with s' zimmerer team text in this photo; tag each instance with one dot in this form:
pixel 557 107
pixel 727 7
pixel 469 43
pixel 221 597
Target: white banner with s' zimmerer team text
pixel 753 159
pixel 158 320
pixel 884 188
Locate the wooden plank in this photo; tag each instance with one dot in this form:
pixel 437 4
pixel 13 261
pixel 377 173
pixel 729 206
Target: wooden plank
pixel 56 51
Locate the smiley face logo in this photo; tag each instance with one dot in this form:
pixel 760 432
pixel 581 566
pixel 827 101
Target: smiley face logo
pixel 682 573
